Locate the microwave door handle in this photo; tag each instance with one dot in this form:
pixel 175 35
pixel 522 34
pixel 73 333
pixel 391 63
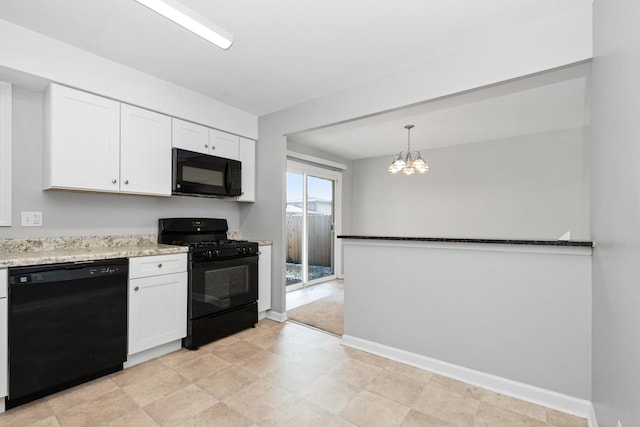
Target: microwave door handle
pixel 227 180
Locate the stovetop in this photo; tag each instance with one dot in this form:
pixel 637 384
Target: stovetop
pixel 205 237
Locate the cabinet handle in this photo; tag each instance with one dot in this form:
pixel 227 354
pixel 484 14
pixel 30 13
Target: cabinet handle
pixel 126 181
pixel 113 181
pixel 213 147
pixel 159 265
pixel 206 145
pixel 137 288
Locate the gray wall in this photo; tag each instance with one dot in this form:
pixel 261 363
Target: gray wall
pixel 534 186
pixel 521 313
pixel 75 213
pixel 265 219
pixel 616 212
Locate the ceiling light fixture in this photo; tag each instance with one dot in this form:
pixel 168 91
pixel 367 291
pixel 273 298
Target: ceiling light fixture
pixel 412 161
pixel 190 20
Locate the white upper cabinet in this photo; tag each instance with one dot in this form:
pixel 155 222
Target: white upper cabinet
pixel 145 152
pixel 248 159
pixel 201 139
pixel 97 144
pixel 82 141
pixel 224 144
pixel 190 136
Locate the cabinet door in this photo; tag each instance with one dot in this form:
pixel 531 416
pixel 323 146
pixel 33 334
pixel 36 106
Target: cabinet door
pixel 224 144
pixel 248 159
pixel 157 311
pixel 145 152
pixel 264 279
pixel 82 141
pixel 190 136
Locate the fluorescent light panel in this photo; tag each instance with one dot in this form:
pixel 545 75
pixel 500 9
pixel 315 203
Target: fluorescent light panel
pixel 190 20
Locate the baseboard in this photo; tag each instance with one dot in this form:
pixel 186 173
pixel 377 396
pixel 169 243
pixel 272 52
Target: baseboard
pixel 592 420
pixel 550 399
pixel 152 353
pixel 275 316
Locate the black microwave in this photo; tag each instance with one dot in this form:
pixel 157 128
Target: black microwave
pixel 197 174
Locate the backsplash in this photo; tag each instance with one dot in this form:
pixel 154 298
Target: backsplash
pixel 234 235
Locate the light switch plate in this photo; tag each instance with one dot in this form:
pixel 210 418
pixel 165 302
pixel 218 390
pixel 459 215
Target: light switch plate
pixel 31 219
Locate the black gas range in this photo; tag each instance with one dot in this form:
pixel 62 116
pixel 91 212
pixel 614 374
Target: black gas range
pixel 223 277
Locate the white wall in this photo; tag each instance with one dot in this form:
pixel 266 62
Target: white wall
pixel 616 212
pixel 31 60
pixel 68 213
pixel 533 187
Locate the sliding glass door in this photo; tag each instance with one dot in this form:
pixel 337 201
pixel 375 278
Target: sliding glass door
pixel 311 224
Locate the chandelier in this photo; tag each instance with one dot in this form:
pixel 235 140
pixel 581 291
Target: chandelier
pixel 411 162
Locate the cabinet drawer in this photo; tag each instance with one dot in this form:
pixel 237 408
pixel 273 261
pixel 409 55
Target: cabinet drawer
pixel 157 265
pixel 3 282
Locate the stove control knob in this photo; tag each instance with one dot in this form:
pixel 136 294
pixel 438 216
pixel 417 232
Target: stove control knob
pixel 208 254
pixel 216 252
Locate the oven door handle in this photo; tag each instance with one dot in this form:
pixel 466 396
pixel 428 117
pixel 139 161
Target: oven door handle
pixel 239 260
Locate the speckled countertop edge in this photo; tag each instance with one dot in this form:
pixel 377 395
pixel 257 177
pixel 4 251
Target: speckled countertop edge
pixel 51 250
pixel 17 252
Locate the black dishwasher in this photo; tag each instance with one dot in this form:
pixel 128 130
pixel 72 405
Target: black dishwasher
pixel 67 325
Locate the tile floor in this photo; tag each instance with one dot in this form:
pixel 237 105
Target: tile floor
pixel 279 375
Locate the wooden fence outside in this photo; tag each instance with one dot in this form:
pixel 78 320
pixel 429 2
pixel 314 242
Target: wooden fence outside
pixel 320 239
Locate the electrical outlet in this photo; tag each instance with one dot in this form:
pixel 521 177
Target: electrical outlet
pixel 31 219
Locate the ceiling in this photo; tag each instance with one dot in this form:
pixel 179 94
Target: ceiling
pixel 546 102
pixel 285 51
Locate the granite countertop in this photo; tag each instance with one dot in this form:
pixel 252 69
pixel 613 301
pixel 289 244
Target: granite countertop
pixel 51 250
pixel 584 243
pixel 263 242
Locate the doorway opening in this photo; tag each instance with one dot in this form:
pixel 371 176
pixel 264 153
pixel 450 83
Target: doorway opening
pixel 314 293
pixel 312 219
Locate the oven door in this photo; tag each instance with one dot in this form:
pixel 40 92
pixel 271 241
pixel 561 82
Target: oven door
pixel 221 285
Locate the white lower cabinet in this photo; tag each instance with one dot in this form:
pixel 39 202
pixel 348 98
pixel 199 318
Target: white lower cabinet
pixel 3 336
pixel 157 302
pixel 264 279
